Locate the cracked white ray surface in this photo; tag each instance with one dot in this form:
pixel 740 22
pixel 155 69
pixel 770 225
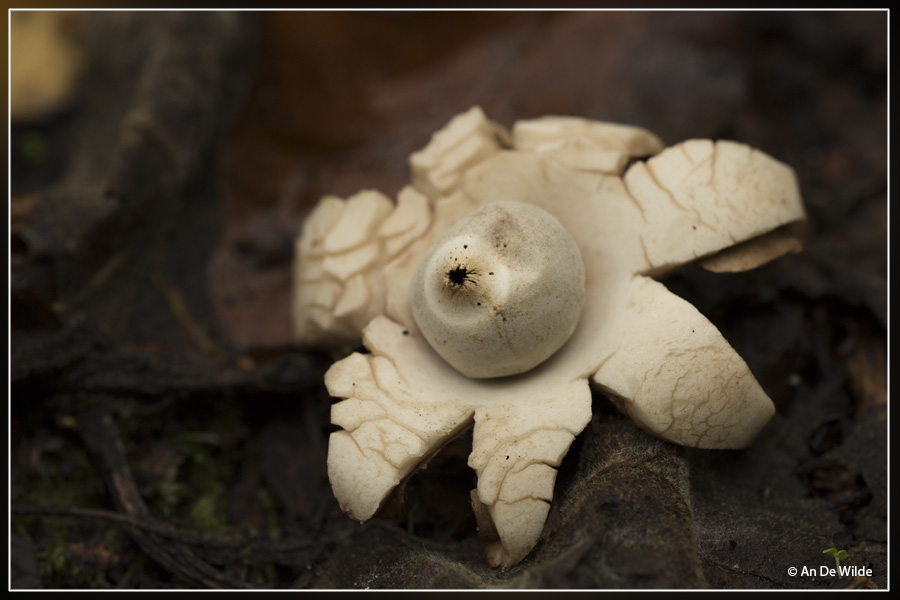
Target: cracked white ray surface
pixel 667 367
pixel 342 252
pixel 402 403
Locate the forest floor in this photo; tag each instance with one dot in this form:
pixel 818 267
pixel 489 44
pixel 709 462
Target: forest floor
pixel 166 433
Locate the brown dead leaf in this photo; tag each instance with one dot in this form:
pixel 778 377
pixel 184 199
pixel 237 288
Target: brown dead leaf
pixel 96 555
pixel 867 365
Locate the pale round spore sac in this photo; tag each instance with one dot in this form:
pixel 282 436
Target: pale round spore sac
pixel 501 291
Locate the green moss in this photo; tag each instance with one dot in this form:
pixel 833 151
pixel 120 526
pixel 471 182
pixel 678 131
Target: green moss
pixel 200 452
pixel 66 478
pixel 33 148
pixel 273 515
pixel 208 511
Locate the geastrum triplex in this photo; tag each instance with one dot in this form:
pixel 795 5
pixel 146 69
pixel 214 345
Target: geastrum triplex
pixel 516 270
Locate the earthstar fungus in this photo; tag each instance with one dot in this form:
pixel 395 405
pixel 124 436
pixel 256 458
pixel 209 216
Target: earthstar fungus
pixel 662 362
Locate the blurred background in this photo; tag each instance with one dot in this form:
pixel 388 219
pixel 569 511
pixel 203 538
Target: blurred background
pixel 162 164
